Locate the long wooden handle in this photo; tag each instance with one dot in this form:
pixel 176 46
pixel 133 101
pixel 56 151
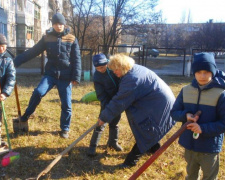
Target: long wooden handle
pixel 49 167
pixel 159 152
pixel 17 100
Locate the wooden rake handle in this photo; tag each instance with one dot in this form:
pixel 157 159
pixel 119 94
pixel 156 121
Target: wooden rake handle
pixel 159 152
pixel 17 100
pixel 49 167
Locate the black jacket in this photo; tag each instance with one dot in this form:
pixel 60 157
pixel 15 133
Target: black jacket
pixel 63 53
pixel 106 86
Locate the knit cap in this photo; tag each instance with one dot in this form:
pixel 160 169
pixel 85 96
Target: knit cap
pixel 58 18
pixel 204 61
pixel 99 60
pixel 3 39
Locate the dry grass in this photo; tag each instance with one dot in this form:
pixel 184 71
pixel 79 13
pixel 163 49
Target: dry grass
pixel 39 148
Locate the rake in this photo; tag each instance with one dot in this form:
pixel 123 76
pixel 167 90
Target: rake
pixel 50 166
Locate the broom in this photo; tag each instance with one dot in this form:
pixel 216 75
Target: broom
pixel 11 156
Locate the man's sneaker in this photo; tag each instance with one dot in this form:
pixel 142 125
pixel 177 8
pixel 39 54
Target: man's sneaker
pixel 64 134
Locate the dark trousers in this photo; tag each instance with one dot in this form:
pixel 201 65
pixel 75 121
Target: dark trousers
pixel 135 154
pixel 113 132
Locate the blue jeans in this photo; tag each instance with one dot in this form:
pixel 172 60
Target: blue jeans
pixel 65 91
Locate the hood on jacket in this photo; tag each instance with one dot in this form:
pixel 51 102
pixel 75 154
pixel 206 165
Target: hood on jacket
pixel 53 32
pixel 216 82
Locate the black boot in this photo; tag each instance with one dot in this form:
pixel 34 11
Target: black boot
pixel 154 148
pixel 94 140
pixel 113 138
pixel 132 158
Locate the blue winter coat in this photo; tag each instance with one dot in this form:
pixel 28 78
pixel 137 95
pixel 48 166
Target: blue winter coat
pixel 7 74
pixel 106 86
pixel 63 53
pixel 211 102
pixel 147 101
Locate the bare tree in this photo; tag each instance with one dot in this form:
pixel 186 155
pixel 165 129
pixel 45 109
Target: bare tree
pixel 82 11
pixel 116 13
pixel 210 36
pixel 101 21
pixel 157 30
pixel 167 37
pixel 189 18
pixel 183 17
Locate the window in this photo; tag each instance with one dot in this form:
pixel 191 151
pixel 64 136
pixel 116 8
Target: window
pixel 30 32
pixel 36 12
pixel 3 29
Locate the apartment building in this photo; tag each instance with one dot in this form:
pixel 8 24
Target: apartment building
pixel 8 20
pixel 24 22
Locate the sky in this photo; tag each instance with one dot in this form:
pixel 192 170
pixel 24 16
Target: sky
pixel 200 10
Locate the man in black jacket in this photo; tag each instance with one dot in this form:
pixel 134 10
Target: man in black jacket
pixel 62 69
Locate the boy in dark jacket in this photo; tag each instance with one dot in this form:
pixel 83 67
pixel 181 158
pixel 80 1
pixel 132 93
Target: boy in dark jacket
pixel 206 94
pixel 62 68
pixel 106 86
pixel 7 77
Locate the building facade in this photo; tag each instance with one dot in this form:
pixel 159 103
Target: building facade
pixel 8 20
pixel 24 22
pixel 173 35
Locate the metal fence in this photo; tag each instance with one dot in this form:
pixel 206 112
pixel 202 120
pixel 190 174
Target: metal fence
pixel 169 61
pixel 37 64
pixel 125 49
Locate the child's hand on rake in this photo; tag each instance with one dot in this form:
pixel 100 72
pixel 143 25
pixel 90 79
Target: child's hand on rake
pixel 100 122
pixel 2 97
pixel 194 127
pixel 193 117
